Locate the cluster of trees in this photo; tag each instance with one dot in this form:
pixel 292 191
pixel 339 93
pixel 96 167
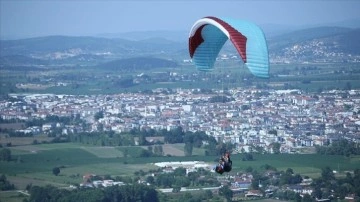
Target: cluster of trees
pixel 65 120
pixel 197 140
pixel 220 98
pixel 177 135
pixel 178 179
pixel 247 157
pixel 271 176
pixel 289 177
pixel 137 192
pixel 175 180
pixel 290 195
pixel 341 147
pixel 110 138
pixel 156 150
pixel 12 133
pixel 102 138
pixel 5 184
pixel 124 83
pixel 327 186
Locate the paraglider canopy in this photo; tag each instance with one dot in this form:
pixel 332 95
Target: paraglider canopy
pixel 209 34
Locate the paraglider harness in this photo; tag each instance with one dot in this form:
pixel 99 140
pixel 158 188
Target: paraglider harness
pixel 225 165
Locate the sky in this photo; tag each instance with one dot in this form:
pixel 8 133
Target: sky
pixel 30 18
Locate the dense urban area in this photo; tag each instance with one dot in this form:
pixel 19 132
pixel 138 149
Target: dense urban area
pixel 244 117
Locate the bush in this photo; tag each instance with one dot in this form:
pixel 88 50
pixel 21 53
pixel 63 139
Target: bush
pixel 56 171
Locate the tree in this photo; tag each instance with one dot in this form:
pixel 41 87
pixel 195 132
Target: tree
pixel 98 115
pixel 245 107
pixel 327 174
pixel 164 180
pixel 226 192
pixel 188 148
pixel 158 150
pixel 181 181
pixel 347 86
pixel 249 169
pixel 276 147
pixel 179 171
pixel 297 197
pixel 208 194
pixel 56 171
pixel 317 192
pixel 273 131
pixel 174 136
pixel 126 152
pixel 5 154
pixel 150 180
pixel 289 171
pixel 5 184
pixel 307 198
pixel 142 140
pixel 248 157
pixel 145 153
pixel 176 189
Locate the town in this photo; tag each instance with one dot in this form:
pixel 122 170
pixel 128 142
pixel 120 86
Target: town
pixel 248 118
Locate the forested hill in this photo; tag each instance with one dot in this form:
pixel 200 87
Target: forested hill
pixel 343 39
pixel 327 44
pixel 331 44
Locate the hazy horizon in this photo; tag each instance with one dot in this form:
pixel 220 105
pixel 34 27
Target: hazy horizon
pixel 24 18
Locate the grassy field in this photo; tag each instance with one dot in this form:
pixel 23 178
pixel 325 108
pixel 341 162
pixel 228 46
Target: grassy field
pixel 12 196
pixel 17 141
pixel 308 77
pixel 304 164
pixel 34 163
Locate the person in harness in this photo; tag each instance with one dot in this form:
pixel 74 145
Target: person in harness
pixel 225 164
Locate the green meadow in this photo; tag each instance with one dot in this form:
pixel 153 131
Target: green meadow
pixel 225 75
pixel 33 164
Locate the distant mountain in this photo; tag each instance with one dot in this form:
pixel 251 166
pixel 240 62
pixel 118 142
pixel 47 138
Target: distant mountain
pixel 44 45
pixel 349 42
pixel 176 36
pixel 311 44
pixel 41 45
pixel 15 60
pixel 350 23
pixel 315 44
pixel 272 30
pixel 68 49
pixel 305 35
